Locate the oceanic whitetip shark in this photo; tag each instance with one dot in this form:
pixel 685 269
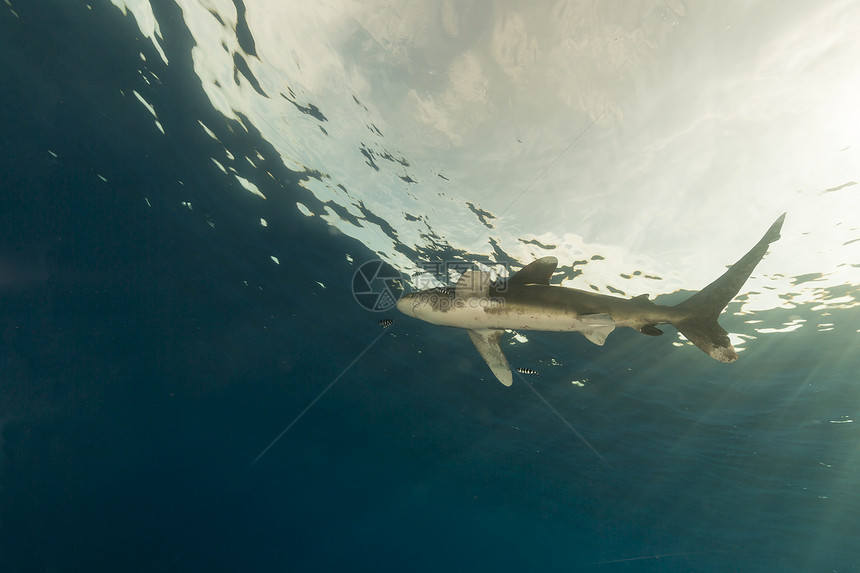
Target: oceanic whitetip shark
pixel 526 301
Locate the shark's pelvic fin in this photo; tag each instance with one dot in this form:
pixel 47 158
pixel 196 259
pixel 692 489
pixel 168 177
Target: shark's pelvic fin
pixel 487 343
pixel 535 273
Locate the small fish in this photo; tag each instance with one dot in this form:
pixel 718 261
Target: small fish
pixel 528 371
pixel 447 291
pixel 385 322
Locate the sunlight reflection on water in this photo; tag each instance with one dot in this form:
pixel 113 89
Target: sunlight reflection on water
pixel 652 143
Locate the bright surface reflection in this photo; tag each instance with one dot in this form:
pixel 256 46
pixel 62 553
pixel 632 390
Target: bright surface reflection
pixel 664 138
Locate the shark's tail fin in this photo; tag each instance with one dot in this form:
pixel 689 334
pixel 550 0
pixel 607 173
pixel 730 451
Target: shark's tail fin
pixel 699 312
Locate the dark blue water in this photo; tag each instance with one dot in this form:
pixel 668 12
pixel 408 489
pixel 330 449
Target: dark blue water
pixel 149 352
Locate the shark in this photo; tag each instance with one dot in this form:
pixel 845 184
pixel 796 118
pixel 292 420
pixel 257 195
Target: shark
pixel 486 309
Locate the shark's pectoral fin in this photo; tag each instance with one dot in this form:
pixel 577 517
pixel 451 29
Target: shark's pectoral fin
pixel 487 343
pixel 596 327
pixel 598 335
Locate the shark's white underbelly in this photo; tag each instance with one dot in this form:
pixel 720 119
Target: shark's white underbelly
pixel 484 314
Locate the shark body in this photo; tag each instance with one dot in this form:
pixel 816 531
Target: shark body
pixel 526 301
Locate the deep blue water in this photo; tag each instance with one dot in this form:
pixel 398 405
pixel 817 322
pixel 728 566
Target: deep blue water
pixel 147 357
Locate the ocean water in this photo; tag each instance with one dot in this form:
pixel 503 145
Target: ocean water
pixel 188 189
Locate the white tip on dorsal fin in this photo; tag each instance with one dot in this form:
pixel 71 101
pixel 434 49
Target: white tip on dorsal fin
pixel 473 283
pixel 596 327
pixel 535 273
pixel 487 343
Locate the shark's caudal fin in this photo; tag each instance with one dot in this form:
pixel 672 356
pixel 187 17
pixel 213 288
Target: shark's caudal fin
pixel 702 309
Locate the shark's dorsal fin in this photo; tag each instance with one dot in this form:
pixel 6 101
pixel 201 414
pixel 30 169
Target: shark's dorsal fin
pixel 641 297
pixel 487 343
pixel 535 273
pixel 473 283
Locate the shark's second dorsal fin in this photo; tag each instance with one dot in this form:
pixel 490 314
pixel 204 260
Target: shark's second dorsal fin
pixel 473 284
pixel 535 273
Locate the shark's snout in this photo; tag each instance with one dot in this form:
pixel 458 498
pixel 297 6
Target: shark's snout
pixel 404 305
